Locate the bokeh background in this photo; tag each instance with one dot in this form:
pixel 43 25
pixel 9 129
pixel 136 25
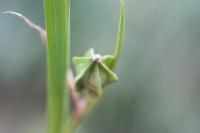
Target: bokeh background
pixel 159 69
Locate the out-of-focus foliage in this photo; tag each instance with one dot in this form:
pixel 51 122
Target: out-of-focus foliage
pixel 159 69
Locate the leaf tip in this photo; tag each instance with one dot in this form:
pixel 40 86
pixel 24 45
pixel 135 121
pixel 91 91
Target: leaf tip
pixel 5 12
pixel 32 25
pixel 12 12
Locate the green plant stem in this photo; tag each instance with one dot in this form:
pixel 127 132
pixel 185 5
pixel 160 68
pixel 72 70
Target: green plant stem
pixel 73 122
pixel 57 13
pixel 120 37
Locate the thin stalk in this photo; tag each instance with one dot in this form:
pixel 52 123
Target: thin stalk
pixel 57 13
pixel 120 36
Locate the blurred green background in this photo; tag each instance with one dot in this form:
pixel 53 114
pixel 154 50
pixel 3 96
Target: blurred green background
pixel 159 69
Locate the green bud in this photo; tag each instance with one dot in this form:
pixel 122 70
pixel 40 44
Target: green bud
pixel 93 71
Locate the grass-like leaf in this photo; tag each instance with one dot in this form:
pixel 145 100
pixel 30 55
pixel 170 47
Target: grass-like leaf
pixel 57 14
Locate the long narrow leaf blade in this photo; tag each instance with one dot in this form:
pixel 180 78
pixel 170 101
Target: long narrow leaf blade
pixel 57 14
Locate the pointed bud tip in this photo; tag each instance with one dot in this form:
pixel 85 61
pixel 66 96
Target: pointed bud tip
pixel 97 58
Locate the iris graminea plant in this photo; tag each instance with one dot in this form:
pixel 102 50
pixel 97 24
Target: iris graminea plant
pixel 93 72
